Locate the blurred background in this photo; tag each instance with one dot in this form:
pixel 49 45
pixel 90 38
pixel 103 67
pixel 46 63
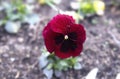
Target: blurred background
pixel 21 24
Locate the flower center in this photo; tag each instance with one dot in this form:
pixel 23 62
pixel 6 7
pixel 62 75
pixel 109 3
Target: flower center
pixel 67 42
pixel 66 37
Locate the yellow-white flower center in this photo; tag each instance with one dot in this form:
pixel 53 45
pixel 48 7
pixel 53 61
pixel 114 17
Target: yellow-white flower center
pixel 66 37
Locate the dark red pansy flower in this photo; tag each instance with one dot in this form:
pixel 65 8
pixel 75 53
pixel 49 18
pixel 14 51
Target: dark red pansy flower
pixel 64 37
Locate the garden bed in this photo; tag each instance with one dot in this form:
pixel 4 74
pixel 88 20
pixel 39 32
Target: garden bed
pixel 19 52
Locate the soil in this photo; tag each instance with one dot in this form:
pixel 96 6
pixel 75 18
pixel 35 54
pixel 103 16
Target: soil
pixel 19 52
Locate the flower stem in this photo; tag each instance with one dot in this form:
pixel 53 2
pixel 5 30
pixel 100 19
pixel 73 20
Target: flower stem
pixel 52 6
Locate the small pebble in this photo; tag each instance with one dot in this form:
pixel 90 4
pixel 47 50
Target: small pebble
pixel 21 40
pixel 5 55
pixel 12 59
pixel 118 76
pixel 1 51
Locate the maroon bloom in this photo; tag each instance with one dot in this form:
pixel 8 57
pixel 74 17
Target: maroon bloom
pixel 64 37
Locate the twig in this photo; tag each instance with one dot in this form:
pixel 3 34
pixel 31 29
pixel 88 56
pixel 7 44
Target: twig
pixel 17 75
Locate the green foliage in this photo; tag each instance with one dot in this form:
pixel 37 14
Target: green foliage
pixel 58 64
pixel 61 64
pixel 13 14
pixel 86 7
pixel 42 2
pixel 15 10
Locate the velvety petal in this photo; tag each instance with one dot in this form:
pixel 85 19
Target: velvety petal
pixel 80 31
pixel 59 39
pixel 62 54
pixel 68 45
pixel 69 53
pixel 54 36
pixel 61 22
pixel 77 51
pixel 48 35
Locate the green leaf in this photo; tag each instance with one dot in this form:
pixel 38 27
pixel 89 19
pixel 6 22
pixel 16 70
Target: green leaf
pixel 22 9
pixel 87 7
pixel 2 22
pixel 77 66
pixel 71 61
pixel 12 27
pixel 48 73
pixel 63 63
pixel 49 66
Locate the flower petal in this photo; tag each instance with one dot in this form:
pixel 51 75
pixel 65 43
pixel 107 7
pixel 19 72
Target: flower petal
pixel 69 53
pixel 62 54
pixel 48 35
pixel 77 51
pixel 55 32
pixel 61 22
pixel 81 34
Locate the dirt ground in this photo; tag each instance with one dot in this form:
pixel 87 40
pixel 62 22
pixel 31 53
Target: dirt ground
pixel 19 52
